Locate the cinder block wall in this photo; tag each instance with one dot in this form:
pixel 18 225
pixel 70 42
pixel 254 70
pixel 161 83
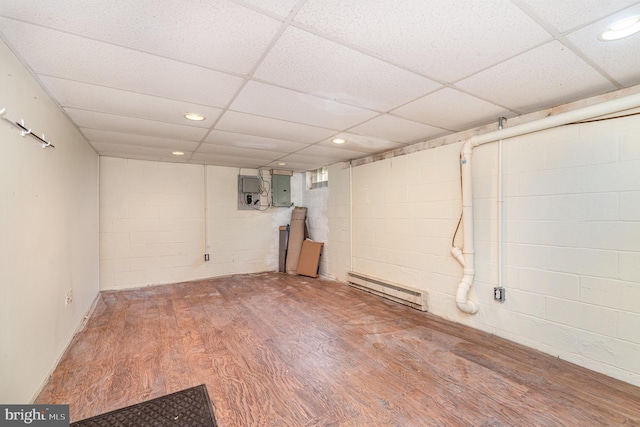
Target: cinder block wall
pixel 316 202
pixel 571 237
pixel 339 235
pixel 152 224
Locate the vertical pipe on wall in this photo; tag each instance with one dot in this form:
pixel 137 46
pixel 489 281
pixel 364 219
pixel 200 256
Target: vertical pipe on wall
pixel 350 216
pixel 501 120
pixel 467 257
pixel 206 213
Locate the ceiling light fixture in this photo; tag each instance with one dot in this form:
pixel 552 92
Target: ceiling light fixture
pixel 194 116
pixel 621 29
pixel 338 141
pixel 178 153
pixel 282 163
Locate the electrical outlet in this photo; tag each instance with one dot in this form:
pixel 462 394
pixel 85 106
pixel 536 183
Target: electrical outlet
pixel 68 299
pixel 499 294
pixel 206 257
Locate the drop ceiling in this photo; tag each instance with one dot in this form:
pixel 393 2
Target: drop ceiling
pixel 277 80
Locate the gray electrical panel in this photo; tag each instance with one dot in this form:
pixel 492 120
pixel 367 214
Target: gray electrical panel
pixel 248 192
pixel 281 190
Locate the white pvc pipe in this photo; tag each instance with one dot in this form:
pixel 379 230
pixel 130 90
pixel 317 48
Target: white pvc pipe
pixel 607 107
pixel 457 254
pixel 500 204
pixel 467 261
pixel 350 217
pixel 206 212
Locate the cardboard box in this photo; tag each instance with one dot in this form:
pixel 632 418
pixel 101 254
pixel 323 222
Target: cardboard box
pixel 309 262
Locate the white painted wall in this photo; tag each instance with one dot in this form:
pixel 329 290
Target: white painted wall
pixel 242 241
pixel 339 239
pixel 49 234
pixel 572 237
pixel 316 202
pixel 152 224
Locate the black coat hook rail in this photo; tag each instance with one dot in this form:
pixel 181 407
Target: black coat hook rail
pixel 26 131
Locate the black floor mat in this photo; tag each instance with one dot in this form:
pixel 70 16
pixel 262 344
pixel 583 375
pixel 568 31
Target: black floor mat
pixel 186 408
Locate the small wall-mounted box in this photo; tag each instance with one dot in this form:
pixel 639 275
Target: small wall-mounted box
pixel 248 192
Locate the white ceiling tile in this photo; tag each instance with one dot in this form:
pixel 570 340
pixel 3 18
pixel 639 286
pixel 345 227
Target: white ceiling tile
pixel 446 40
pixel 311 64
pixel 117 138
pixel 224 160
pixel 567 14
pixel 216 34
pixel 451 109
pixel 364 143
pixel 547 76
pixel 620 58
pixel 107 100
pixel 240 140
pixel 330 154
pixel 299 163
pixel 293 166
pixel 137 152
pixel 122 124
pixel 233 121
pixel 401 130
pixel 271 101
pixel 63 55
pixel 266 156
pixel 280 7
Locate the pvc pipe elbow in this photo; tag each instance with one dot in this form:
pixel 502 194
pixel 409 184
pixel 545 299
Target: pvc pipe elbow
pixel 462 301
pixel 457 254
pixel 467 146
pixel 469 307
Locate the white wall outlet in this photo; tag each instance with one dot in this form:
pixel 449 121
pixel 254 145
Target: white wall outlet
pixel 68 299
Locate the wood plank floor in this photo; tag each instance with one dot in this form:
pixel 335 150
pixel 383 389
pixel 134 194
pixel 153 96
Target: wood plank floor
pixel 278 350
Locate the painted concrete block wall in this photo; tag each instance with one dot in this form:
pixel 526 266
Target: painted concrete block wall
pixel 337 255
pixel 152 228
pixel 151 222
pixel 405 211
pixel 316 202
pixel 49 234
pixel 571 236
pixel 242 241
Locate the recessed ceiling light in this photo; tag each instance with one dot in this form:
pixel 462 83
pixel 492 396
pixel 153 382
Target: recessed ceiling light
pixel 282 163
pixel 338 141
pixel 621 29
pixel 194 116
pixel 178 153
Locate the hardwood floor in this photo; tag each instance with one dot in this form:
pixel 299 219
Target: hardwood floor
pixel 279 350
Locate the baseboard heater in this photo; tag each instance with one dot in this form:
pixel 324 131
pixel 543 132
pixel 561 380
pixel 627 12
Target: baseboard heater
pixel 403 294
